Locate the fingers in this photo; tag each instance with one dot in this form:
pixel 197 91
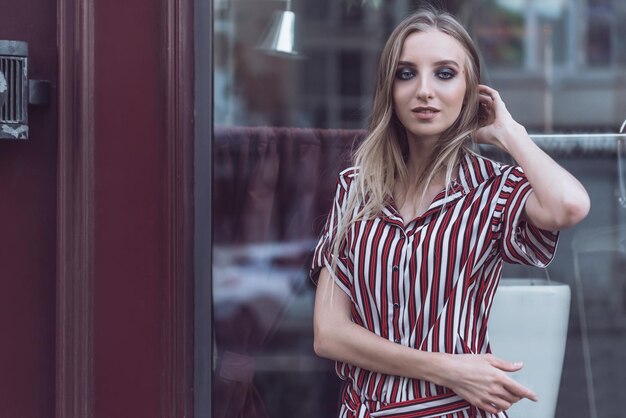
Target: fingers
pixel 485 97
pixel 488 92
pixel 515 389
pixel 485 101
pixel 489 407
pixel 508 396
pixel 494 406
pixel 490 96
pixel 504 365
pixel 488 104
pixel 499 402
pixel 500 405
pixel 518 390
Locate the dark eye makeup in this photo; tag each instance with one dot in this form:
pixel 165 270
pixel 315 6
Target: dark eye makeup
pixel 407 73
pixel 445 73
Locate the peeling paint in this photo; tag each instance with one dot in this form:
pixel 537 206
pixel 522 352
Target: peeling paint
pixel 17 133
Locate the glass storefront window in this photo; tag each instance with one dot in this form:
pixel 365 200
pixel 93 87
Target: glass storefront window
pixel 284 125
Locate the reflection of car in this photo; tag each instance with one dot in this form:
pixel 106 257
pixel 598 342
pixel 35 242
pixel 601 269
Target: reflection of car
pixel 258 282
pixel 243 274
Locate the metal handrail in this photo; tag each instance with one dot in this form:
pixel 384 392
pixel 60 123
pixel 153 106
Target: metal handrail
pixel 583 144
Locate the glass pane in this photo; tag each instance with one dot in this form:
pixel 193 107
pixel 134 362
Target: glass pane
pixel 600 36
pixel 284 125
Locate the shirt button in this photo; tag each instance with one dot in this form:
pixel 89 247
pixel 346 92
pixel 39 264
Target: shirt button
pixel 396 305
pixel 395 268
pixel 397 340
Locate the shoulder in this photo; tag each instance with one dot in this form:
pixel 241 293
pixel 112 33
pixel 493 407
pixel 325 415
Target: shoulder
pixel 478 169
pixel 347 176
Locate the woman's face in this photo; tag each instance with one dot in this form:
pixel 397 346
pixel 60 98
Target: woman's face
pixel 429 85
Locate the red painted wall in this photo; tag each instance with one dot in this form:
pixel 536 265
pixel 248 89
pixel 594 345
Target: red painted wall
pixel 134 357
pixel 129 208
pixel 28 230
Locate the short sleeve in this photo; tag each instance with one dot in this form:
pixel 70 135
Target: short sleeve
pixel 520 242
pixel 322 255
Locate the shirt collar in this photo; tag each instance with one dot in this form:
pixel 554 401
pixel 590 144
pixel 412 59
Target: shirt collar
pixel 472 171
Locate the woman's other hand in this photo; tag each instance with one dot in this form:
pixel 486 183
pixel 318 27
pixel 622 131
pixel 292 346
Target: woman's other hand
pixel 482 380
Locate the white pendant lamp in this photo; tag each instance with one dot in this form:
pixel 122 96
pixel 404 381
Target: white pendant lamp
pixel 279 38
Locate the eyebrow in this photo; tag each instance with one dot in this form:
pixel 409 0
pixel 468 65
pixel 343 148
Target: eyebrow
pixel 437 64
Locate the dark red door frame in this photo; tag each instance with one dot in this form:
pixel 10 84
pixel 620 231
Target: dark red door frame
pixel 178 298
pixel 75 369
pixel 77 366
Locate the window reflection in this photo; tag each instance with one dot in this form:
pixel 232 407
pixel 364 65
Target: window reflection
pixel 282 131
pixel 601 26
pixel 501 37
pixel 546 57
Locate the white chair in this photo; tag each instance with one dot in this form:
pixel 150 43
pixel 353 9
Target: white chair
pixel 528 323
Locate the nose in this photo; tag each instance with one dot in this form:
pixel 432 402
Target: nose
pixel 424 88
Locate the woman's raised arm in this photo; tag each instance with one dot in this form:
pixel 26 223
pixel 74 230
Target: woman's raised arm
pixel 558 199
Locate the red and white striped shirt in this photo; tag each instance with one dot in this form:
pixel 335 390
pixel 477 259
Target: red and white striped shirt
pixel 429 284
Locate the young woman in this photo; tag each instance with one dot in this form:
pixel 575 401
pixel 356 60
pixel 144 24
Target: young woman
pixel 412 250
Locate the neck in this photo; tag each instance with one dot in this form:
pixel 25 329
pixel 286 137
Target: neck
pixel 420 154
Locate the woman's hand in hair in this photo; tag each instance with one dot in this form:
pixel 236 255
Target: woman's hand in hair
pixel 496 121
pixel 548 207
pixel 482 380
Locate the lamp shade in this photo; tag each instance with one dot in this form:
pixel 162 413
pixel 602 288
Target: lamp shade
pixel 279 37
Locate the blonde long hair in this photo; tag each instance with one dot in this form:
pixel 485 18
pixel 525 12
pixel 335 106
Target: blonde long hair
pixel 381 157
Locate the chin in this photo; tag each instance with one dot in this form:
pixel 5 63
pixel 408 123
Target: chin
pixel 425 133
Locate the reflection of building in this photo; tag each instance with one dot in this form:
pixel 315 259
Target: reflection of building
pixel 568 76
pixel 557 63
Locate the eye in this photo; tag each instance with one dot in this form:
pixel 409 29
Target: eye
pixel 405 73
pixel 445 73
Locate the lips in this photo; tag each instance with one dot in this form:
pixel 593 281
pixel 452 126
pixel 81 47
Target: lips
pixel 425 112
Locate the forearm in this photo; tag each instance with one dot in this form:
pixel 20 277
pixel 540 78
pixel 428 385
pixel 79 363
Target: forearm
pixel 338 338
pixel 561 200
pixel 350 343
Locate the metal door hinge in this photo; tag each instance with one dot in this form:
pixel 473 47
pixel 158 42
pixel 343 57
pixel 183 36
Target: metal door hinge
pixel 17 92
